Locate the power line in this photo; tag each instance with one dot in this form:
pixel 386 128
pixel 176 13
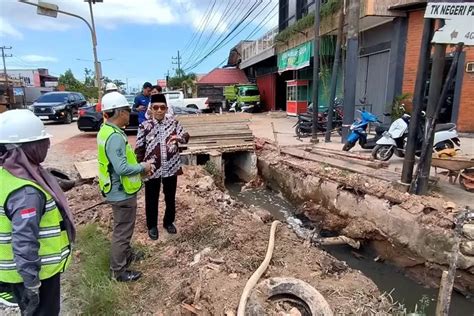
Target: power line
pixel 247 14
pixel 199 27
pixel 204 25
pixel 256 29
pixel 223 41
pixel 227 11
pixel 232 20
pixel 261 24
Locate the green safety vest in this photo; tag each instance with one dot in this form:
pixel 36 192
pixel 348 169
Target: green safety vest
pixel 131 184
pixel 54 247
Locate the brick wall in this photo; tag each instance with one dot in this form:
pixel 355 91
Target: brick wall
pixel 466 107
pixel 466 110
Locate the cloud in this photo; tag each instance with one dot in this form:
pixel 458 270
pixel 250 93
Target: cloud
pixel 6 29
pixel 38 58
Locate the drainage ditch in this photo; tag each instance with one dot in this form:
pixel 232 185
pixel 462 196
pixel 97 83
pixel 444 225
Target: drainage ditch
pixel 386 276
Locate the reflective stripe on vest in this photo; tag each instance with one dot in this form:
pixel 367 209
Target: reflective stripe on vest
pixel 131 184
pixel 54 247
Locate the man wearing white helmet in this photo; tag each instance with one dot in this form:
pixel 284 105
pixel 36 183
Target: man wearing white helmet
pixel 109 87
pixel 36 225
pixel 119 181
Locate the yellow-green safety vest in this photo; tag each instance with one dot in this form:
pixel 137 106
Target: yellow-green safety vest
pixel 131 184
pixel 54 246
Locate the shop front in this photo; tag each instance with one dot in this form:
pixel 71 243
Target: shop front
pixel 297 89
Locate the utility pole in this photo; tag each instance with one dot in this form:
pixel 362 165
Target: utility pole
pixel 97 65
pixel 352 60
pixel 335 68
pixel 177 62
pixel 434 107
pixel 167 77
pixel 3 48
pixel 317 22
pixel 418 96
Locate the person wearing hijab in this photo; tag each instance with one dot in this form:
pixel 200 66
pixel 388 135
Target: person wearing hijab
pixel 157 141
pixel 36 225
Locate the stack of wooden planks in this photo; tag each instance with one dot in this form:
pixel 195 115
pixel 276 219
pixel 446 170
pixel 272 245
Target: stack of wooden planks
pixel 222 132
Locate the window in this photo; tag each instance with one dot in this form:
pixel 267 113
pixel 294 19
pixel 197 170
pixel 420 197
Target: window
pixel 80 97
pixel 173 96
pixel 53 97
pixel 291 93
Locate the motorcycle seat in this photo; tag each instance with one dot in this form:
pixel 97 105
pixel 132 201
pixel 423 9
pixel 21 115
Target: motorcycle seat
pixel 380 129
pixel 444 127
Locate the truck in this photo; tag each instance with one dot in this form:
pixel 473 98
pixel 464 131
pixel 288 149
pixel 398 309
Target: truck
pixel 215 95
pixel 242 94
pixel 177 99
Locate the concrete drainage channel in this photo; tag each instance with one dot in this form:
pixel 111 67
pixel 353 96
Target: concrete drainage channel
pixel 390 276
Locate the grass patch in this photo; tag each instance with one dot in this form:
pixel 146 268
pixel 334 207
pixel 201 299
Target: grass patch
pixel 204 233
pixel 91 291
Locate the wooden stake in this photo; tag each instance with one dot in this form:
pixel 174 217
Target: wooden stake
pixel 443 288
pixel 275 136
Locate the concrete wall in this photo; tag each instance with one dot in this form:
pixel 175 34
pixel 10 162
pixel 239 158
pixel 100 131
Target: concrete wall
pixel 428 244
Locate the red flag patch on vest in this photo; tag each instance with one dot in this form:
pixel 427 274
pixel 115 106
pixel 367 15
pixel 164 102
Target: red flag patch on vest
pixel 27 213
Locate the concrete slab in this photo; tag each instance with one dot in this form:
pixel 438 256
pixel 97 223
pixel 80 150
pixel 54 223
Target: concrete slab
pixel 87 169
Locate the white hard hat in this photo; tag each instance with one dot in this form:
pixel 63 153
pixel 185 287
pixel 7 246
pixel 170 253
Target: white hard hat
pixel 114 100
pixel 21 126
pixel 110 86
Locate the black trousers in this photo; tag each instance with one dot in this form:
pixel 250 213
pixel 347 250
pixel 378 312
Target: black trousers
pixel 50 296
pixel 152 195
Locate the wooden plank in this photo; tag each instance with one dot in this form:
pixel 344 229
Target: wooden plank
pixel 342 153
pixel 87 169
pixel 371 164
pixel 385 175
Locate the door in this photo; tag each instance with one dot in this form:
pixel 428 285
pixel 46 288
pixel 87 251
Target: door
pixel 372 79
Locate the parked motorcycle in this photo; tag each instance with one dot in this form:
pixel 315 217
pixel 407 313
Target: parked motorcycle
pixel 394 140
pixel 304 125
pixel 359 132
pixel 244 107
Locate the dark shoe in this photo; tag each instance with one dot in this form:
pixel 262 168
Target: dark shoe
pixel 137 255
pixel 153 233
pixel 127 276
pixel 171 229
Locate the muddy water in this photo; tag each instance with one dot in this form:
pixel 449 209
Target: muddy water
pixel 387 277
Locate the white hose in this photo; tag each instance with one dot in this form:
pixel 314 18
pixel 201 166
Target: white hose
pixel 259 272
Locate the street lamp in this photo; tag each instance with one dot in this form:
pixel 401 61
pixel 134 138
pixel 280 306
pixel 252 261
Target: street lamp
pixel 52 10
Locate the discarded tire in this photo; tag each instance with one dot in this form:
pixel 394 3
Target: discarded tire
pixel 294 290
pixel 64 181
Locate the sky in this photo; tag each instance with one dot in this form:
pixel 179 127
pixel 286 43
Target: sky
pixel 136 39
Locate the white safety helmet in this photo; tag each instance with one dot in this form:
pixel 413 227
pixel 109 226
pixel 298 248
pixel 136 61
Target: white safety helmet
pixel 114 100
pixel 21 126
pixel 110 87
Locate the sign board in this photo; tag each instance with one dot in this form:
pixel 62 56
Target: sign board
pixel 47 9
pixel 18 91
pixel 459 22
pixel 295 58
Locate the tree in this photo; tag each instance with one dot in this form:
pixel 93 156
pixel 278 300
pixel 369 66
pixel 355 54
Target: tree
pixel 119 83
pixel 70 83
pixel 89 77
pixel 182 80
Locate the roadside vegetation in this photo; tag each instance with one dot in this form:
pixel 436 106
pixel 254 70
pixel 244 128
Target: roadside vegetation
pixel 88 285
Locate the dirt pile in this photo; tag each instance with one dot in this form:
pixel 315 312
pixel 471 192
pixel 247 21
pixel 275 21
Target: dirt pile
pixel 219 244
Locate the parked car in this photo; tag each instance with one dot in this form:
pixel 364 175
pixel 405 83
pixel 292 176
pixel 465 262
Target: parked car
pixel 177 99
pixel 130 98
pixel 90 120
pixel 58 106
